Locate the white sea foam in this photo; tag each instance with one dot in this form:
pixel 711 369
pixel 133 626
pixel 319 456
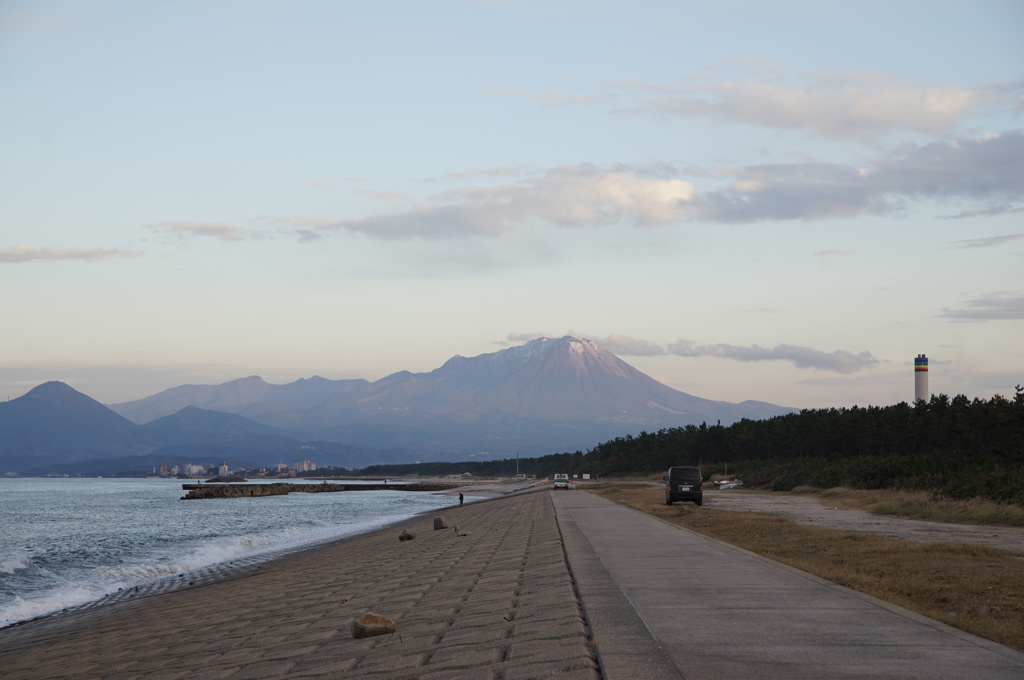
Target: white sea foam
pixel 47 603
pixel 12 564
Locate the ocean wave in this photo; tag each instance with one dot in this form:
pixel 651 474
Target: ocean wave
pixel 47 603
pixel 13 564
pixel 98 542
pixel 160 572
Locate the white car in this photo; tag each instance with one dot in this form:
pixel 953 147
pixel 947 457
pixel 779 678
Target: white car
pixel 561 481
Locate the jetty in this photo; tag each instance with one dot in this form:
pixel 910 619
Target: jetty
pixel 199 491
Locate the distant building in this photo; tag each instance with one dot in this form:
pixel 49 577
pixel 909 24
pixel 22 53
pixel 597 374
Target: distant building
pixel 304 466
pixel 223 469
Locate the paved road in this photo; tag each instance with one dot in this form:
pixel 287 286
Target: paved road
pixel 665 602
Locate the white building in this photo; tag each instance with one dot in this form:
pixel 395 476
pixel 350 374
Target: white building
pixel 193 470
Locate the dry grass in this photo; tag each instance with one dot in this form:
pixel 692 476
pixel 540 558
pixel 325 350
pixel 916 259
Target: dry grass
pixel 977 589
pixel 922 505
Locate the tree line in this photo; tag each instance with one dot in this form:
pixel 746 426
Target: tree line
pixel 956 447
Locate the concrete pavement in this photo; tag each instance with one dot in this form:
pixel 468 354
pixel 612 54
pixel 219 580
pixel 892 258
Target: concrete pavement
pixel 713 611
pixel 496 604
pixel 542 585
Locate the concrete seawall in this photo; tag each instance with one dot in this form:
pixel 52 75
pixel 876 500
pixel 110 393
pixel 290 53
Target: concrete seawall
pixel 497 601
pixel 199 491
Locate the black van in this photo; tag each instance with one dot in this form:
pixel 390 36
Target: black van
pixel 684 484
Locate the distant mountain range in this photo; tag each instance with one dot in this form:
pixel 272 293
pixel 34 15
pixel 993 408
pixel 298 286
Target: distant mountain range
pixel 55 429
pixel 547 396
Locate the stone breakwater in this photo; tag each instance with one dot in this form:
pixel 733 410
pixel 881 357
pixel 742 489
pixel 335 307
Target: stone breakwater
pixel 197 491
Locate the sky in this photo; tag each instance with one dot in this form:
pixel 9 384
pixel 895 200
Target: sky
pixel 784 202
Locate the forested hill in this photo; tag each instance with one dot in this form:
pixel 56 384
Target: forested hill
pixel 979 427
pixel 954 447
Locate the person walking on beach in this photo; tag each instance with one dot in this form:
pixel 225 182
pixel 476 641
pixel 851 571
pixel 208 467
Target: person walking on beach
pixel 460 499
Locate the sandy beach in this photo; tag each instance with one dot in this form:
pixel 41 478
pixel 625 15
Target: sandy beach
pixel 498 601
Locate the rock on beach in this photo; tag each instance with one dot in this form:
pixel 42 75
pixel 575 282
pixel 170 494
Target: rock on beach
pixel 371 624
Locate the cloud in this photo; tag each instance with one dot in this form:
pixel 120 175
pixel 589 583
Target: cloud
pixel 990 211
pixel 522 338
pixel 986 168
pixel 215 230
pixel 833 253
pixel 19 254
pixel 386 196
pixel 576 196
pixel 490 173
pixel 990 166
pixel 861 106
pixel 992 307
pixel 623 345
pixel 793 191
pixel 837 361
pixel 620 345
pixel 988 242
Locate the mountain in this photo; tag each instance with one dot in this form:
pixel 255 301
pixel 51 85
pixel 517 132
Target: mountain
pixel 56 429
pixel 54 422
pixel 544 396
pixel 197 420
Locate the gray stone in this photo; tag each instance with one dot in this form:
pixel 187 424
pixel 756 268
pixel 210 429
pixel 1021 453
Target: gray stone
pixel 440 523
pixel 406 535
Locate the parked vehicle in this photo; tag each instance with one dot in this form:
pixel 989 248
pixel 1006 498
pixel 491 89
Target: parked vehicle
pixel 561 481
pixel 684 484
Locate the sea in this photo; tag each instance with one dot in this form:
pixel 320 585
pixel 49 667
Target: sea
pixel 72 543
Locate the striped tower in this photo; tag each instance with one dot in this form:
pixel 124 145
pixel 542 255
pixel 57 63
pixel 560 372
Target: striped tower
pixel 921 378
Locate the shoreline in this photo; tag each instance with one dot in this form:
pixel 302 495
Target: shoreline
pixel 512 587
pixel 239 566
pixel 475 597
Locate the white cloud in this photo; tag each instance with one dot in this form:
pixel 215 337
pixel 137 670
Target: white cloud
pixel 522 338
pixel 862 106
pixel 19 254
pixel 577 196
pixel 837 361
pixel 215 230
pixel 624 345
pixel 987 169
